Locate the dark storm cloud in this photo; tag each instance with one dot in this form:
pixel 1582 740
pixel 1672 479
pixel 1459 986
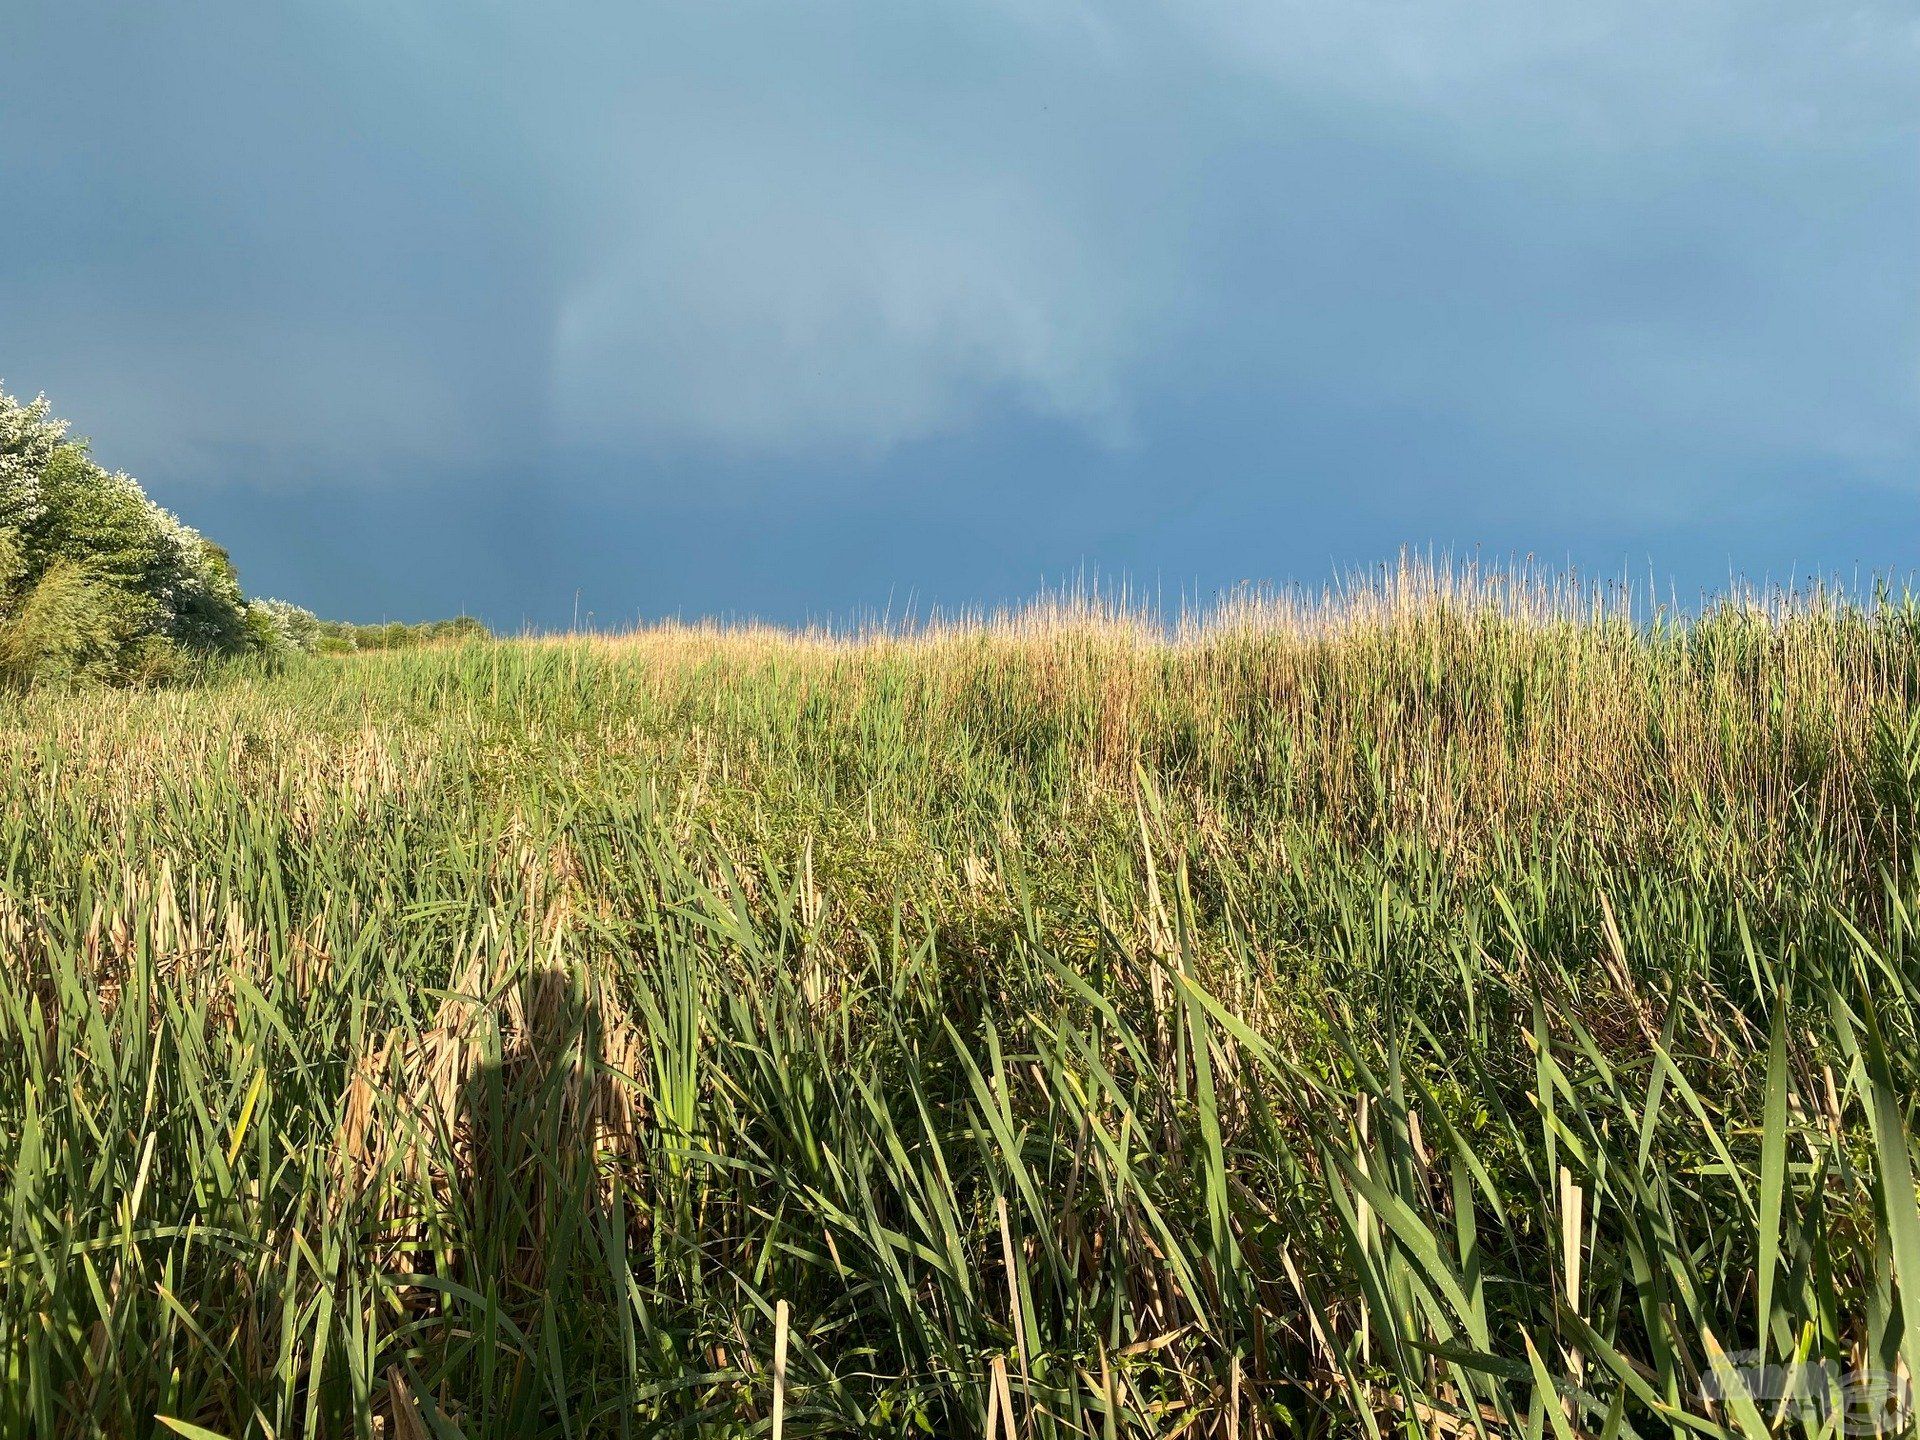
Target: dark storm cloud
pixel 785 308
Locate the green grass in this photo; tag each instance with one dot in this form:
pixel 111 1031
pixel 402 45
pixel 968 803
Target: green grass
pixel 1446 1008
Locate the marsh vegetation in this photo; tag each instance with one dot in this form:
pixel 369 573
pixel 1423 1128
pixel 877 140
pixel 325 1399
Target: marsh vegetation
pixel 1453 1005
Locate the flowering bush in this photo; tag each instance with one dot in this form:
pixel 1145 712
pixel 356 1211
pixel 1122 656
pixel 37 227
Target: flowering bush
pixel 280 625
pixel 29 438
pixel 97 581
pixel 95 578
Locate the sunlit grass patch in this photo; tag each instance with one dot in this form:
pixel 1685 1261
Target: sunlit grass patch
pixel 1459 1004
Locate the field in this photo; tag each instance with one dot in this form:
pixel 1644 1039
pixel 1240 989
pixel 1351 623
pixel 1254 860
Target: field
pixel 1454 1005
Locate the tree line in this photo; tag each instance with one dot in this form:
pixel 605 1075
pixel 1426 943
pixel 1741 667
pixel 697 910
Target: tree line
pixel 97 582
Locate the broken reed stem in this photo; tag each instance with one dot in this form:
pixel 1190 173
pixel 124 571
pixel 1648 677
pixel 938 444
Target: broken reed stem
pixel 779 1369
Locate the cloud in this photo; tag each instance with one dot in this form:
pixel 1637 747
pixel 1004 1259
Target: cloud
pixel 835 230
pixel 1514 78
pixel 244 253
pixel 773 244
pixel 798 305
pixel 1661 243
pixel 830 229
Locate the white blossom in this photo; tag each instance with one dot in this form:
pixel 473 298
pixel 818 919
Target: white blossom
pixel 28 438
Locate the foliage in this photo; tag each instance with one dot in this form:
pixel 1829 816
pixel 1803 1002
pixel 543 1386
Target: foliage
pixel 68 624
pixel 98 582
pixel 29 439
pixel 1452 1009
pixel 107 582
pixel 280 625
pixel 338 637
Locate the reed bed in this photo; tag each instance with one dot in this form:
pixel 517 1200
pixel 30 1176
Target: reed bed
pixel 1454 1004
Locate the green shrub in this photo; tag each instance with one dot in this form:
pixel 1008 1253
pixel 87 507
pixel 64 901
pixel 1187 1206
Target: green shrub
pixel 337 637
pixel 68 625
pixel 279 626
pixel 97 581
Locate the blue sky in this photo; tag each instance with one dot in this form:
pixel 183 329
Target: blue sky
pixel 799 309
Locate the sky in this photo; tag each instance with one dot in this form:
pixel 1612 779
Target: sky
pixel 816 308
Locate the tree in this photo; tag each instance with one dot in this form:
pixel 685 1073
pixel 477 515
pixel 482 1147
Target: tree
pixel 28 440
pixel 96 579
